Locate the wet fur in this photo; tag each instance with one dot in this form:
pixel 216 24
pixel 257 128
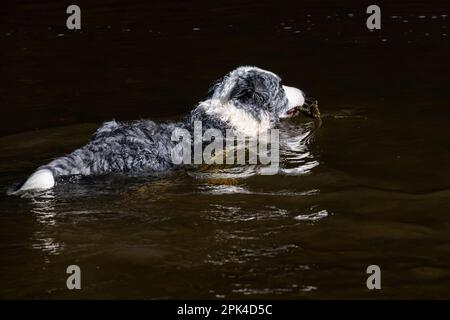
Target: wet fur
pixel 246 100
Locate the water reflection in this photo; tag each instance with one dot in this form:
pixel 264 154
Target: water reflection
pixel 48 246
pixel 241 255
pixel 247 290
pixel 43 209
pixel 312 216
pixel 235 214
pixel 295 141
pixel 295 159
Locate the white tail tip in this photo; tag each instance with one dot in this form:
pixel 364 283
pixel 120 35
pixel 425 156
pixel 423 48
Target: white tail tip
pixel 40 180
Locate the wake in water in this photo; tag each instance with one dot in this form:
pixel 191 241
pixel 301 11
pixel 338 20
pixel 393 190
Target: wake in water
pixel 295 156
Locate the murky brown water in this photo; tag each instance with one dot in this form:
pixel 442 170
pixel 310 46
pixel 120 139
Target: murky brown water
pixel 371 186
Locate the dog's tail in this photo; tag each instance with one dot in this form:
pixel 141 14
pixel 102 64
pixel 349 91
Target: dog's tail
pixel 41 179
pixel 78 162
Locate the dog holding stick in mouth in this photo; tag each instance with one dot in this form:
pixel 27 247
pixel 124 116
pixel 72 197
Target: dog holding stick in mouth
pixel 248 100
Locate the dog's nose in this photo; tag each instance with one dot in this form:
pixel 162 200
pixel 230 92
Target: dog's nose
pixel 295 96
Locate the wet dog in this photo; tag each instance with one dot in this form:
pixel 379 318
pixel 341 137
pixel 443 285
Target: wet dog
pixel 248 100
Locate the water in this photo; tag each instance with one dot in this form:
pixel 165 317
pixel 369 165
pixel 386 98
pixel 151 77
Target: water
pixel 370 186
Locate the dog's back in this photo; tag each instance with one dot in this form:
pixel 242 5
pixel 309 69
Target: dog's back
pixel 137 146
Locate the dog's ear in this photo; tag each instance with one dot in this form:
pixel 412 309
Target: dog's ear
pixel 250 88
pixel 213 87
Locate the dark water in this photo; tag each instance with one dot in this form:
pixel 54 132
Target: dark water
pixel 371 186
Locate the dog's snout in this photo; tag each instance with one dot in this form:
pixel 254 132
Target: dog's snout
pixel 295 96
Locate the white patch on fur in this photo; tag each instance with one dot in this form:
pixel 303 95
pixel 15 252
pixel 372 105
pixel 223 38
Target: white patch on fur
pixel 295 99
pixel 295 96
pixel 41 179
pixel 240 120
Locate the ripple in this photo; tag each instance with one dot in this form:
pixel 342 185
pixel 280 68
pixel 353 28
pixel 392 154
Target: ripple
pixel 244 255
pixel 250 291
pixel 235 214
pixel 224 189
pixel 313 216
pixel 295 158
pixel 48 245
pixel 232 189
pixel 241 172
pixel 300 170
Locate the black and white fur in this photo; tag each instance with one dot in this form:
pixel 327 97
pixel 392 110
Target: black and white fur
pixel 247 100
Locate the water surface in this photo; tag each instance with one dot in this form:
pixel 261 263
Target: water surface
pixel 370 186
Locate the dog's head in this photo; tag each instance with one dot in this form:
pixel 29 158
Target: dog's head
pixel 258 92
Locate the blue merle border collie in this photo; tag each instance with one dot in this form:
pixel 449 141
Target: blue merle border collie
pixel 248 100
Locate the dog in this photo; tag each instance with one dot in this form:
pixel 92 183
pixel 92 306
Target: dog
pixel 248 100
